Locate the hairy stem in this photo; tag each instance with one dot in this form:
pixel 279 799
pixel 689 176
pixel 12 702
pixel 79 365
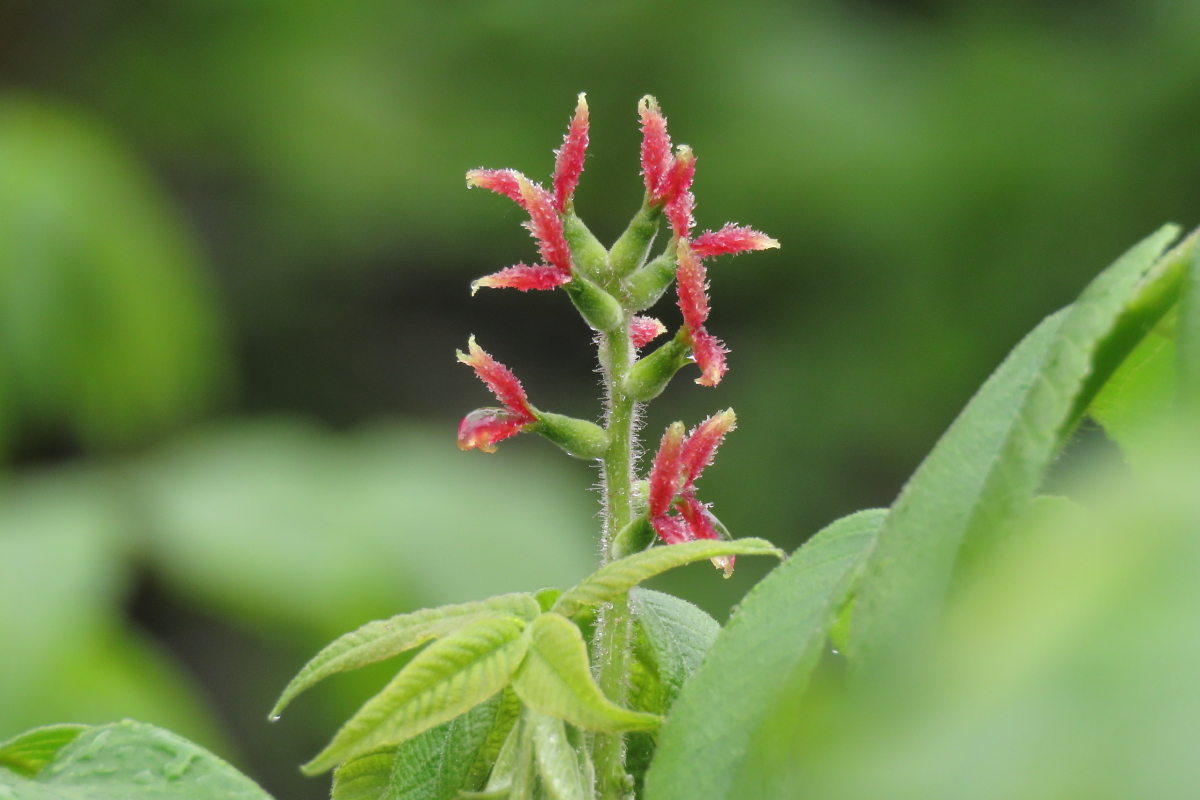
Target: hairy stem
pixel 617 356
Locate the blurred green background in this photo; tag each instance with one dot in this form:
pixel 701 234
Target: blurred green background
pixel 235 247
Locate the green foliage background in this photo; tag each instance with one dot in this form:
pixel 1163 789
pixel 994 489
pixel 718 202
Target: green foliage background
pixel 234 255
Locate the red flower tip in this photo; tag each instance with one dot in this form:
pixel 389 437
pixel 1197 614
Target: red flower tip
pixel 644 330
pixel 524 278
pixel 484 427
pixel 691 284
pixel 671 529
pixel 709 354
pixel 501 181
pixel 501 381
pixel 680 200
pixel 568 161
pixel 731 239
pixel 664 474
pixel 545 225
pixel 702 443
pixel 697 517
pixel 656 149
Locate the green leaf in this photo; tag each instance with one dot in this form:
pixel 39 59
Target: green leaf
pixel 131 761
pixel 1188 356
pixel 434 765
pixel 989 464
pixel 366 777
pixel 1139 396
pixel 506 712
pixel 557 762
pixel 556 679
pixel 618 577
pixel 382 639
pixel 670 637
pixel 773 639
pixel 28 753
pixel 446 679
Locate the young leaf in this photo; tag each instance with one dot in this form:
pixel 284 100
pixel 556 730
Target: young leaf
pixel 670 637
pixel 129 761
pixel 557 762
pixel 989 464
pixel 506 712
pixel 435 765
pixel 382 639
pixel 773 639
pixel 28 753
pixel 556 679
pixel 618 577
pixel 446 679
pixel 366 777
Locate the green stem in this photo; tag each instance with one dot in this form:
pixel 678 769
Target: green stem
pixel 617 356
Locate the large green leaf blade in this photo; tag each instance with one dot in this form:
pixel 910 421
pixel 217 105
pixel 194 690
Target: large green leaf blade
pixel 446 679
pixel 28 753
pixel 556 679
pixel 131 761
pixel 382 639
pixel 618 577
pixel 774 638
pixel 989 464
pixel 670 638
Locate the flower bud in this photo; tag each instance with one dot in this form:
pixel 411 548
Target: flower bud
pixel 649 283
pixel 633 538
pixel 630 251
pixel 599 308
pixel 651 374
pixel 587 254
pixel 578 437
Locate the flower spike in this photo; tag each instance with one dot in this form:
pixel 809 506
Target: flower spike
pixel 643 330
pixel 731 240
pixel 568 161
pixel 656 150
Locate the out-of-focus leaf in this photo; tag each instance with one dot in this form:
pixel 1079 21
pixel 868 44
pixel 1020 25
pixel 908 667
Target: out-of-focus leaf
pixel 64 652
pixel 989 464
pixel 133 761
pixel 382 639
pixel 1188 356
pixel 282 524
pixel 1066 667
pixel 557 762
pixel 27 753
pixel 670 637
pixel 556 679
pixel 772 641
pixel 448 678
pixel 618 577
pixel 1140 394
pixel 106 323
